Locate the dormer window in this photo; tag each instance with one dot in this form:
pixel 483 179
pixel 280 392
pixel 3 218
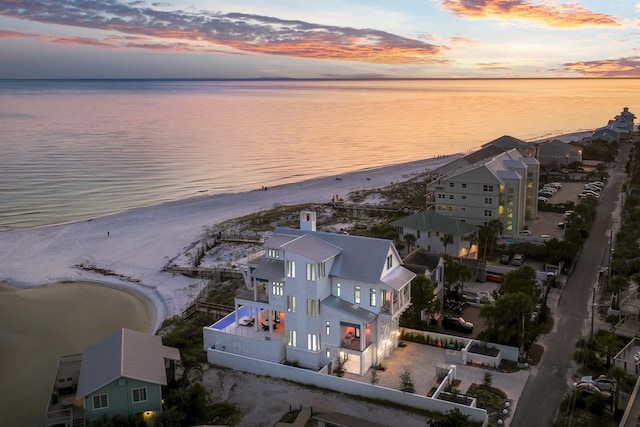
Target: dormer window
pixel 389 262
pixel 272 253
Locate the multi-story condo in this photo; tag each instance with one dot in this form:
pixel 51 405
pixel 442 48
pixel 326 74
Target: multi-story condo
pixel 502 188
pixel 317 299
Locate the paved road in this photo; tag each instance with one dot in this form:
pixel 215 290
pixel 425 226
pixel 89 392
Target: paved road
pixel 548 381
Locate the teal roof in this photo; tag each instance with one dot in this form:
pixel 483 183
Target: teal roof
pixel 430 221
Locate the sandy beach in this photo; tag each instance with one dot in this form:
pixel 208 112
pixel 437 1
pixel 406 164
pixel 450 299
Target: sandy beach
pixel 135 245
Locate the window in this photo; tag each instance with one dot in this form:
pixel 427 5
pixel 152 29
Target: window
pixel 292 340
pixel 139 394
pixel 312 342
pixel 291 303
pixel 488 200
pixel 321 270
pixel 417 234
pixel 441 208
pixel 441 196
pixel 487 212
pixel 312 307
pixel 328 328
pixel 487 187
pixel 389 261
pixel 451 184
pixel 372 297
pixel 291 268
pixel 451 208
pixel 272 253
pixel 312 272
pixel 328 353
pixel 277 288
pixel 464 185
pixel 338 289
pixel 463 209
pixel 464 197
pixel 450 196
pixel 356 295
pixel 101 401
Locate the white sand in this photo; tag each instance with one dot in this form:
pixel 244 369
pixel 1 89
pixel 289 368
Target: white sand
pixel 140 242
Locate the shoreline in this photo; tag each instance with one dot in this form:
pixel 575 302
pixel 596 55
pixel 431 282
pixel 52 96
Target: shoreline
pixel 136 244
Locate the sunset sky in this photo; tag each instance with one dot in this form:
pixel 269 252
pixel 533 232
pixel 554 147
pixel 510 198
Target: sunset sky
pixel 319 39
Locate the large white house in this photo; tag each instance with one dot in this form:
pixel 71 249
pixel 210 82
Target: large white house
pixel 503 187
pixel 317 298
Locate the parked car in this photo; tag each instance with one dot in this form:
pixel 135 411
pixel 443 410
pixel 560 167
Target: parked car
pixel 602 382
pixel 525 233
pixel 457 323
pixel 589 388
pixel 555 185
pixel 505 258
pixel 517 259
pixel 542 199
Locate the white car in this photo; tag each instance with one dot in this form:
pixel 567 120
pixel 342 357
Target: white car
pixel 592 187
pixel 542 199
pixel 590 389
pixel 556 185
pixel 598 183
pixel 551 189
pixel 602 382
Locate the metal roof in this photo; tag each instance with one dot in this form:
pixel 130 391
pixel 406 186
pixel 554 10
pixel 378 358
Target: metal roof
pixel 398 277
pixel 124 354
pixel 353 311
pixel 270 270
pixel 312 248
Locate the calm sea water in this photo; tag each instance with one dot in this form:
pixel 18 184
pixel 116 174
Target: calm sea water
pixel 73 150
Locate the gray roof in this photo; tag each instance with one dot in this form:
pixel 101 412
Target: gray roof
pixel 507 141
pixel 398 277
pixel 429 220
pixel 419 261
pixel 361 258
pixel 124 354
pixel 353 311
pixel 270 270
pixel 312 248
pixel 484 153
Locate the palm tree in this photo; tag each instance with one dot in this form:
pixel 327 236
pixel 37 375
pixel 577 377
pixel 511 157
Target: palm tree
pixel 473 240
pixel 446 240
pixel 411 240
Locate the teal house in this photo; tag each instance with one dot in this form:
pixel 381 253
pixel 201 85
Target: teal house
pixel 123 374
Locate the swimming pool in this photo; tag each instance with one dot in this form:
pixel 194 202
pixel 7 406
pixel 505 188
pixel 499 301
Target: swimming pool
pixel 230 318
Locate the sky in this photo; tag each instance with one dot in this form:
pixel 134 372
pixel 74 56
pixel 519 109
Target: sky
pixel 319 39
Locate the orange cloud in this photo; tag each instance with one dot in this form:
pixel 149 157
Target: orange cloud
pixel 559 15
pixel 214 32
pixel 623 67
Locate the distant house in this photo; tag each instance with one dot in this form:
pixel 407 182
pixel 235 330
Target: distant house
pixel 503 188
pixel 430 265
pixel 429 228
pixel 318 299
pixel 557 153
pixel 507 142
pixel 122 374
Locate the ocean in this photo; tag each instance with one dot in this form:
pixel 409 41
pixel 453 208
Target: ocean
pixel 78 149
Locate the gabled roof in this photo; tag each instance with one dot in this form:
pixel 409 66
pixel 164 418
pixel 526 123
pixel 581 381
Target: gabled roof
pixel 312 248
pixel 484 153
pixel 124 354
pixel 420 261
pixel 397 278
pixel 429 220
pixel 361 258
pixel 507 141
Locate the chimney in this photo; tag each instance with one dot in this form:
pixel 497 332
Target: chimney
pixel 308 221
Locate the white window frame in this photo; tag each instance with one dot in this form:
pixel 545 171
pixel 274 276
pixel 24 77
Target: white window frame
pixel 312 272
pixel 313 342
pixel 292 338
pixel 273 253
pixel 312 307
pixel 277 288
pixel 356 295
pixel 372 297
pixel 291 268
pixel 291 303
pixel 328 328
pixel 338 289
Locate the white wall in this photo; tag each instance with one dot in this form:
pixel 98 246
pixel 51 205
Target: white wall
pixel 341 385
